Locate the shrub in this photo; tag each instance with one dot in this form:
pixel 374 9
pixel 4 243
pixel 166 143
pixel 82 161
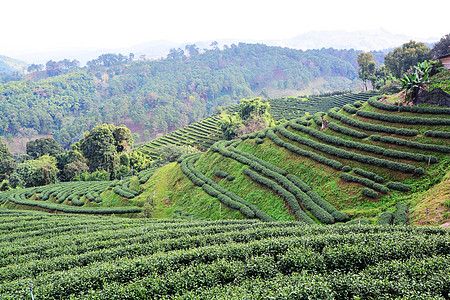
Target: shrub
pixel 410 144
pixel 385 218
pixel 346 168
pixel 364 181
pixel 220 173
pixel 398 186
pixel 350 109
pixel 259 141
pixel 406 168
pixel 402 119
pixel 401 214
pixel 438 134
pixel 347 131
pixel 369 193
pixel 369 175
pixel 415 109
pixel 371 127
pixel 319 158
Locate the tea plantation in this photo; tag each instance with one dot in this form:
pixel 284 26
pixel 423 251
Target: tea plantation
pixel 54 256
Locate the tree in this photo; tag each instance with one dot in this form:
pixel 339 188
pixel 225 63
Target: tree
pixel 253 107
pixel 7 167
pixel 4 151
pixel 228 125
pixel 75 169
pixel 382 74
pixel 170 153
pixel 442 47
pixel 43 146
pixel 367 68
pixel 35 68
pixel 409 54
pixel 36 172
pixel 193 50
pixel 102 144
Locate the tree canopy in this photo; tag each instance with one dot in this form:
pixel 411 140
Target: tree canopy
pixel 442 47
pixel 409 54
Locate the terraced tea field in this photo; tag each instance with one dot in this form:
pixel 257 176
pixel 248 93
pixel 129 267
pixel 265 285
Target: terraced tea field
pixel 88 257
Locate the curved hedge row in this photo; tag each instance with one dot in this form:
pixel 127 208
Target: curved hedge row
pixel 74 209
pixel 364 181
pixel 402 119
pixel 289 197
pixel 124 193
pixel 393 185
pixel 414 109
pixel 255 159
pixel 410 144
pixel 406 168
pixel 369 193
pixel 350 109
pixel 223 195
pixel 438 134
pixel 371 127
pixel 317 118
pixel 347 131
pixel 334 140
pixel 370 175
pixel 277 174
pixel 319 158
pixel 223 174
pixel 337 215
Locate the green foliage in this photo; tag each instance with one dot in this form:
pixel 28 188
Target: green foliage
pixel 38 172
pixel 402 119
pixel 414 109
pixel 371 127
pixel 215 190
pixel 402 58
pixel 412 144
pixel 385 218
pixel 102 145
pixel 106 258
pixel 369 193
pixel 370 175
pixel 437 134
pixel 401 214
pixel 347 131
pixel 43 146
pixel 441 48
pixel 4 151
pixel 170 153
pixel 339 152
pixel 364 181
pixel 367 67
pixel 337 141
pixel 398 186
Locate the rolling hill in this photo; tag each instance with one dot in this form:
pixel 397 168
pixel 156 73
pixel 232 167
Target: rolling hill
pixel 369 158
pixel 361 164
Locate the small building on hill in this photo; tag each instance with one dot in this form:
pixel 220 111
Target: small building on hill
pixel 445 60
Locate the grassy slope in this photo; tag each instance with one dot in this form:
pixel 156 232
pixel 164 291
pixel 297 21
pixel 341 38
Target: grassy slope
pixel 428 190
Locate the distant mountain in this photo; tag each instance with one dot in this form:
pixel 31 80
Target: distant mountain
pixel 10 65
pixel 365 40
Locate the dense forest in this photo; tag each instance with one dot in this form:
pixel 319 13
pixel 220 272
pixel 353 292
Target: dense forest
pixel 154 97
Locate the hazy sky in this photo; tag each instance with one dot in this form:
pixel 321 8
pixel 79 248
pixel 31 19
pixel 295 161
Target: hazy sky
pixel 50 24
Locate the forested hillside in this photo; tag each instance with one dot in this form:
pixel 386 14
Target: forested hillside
pixel 152 97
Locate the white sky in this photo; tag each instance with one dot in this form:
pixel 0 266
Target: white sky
pixel 38 25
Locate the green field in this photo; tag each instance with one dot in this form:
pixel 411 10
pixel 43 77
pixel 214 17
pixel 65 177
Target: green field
pixel 88 257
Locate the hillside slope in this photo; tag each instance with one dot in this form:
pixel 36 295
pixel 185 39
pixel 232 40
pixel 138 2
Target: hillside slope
pixel 361 164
